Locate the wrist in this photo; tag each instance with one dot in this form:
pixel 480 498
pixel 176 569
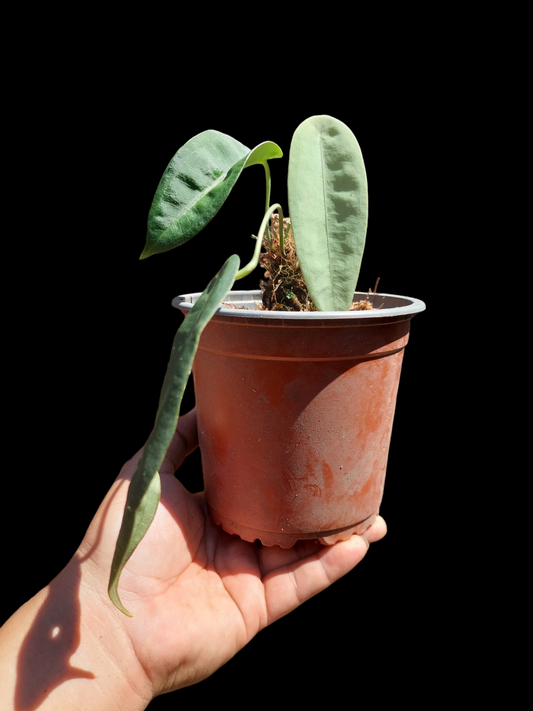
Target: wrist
pixel 68 647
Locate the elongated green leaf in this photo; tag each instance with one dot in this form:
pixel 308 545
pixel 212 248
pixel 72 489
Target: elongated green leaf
pixel 145 487
pixel 195 185
pixel 328 206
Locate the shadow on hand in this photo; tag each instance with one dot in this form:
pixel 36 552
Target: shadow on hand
pixel 44 658
pixel 53 638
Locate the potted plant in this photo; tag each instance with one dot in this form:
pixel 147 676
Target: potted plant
pixel 295 383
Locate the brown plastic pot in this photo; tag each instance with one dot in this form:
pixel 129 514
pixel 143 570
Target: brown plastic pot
pixel 295 414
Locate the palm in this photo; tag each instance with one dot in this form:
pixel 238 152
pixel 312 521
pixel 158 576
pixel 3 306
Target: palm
pixel 199 594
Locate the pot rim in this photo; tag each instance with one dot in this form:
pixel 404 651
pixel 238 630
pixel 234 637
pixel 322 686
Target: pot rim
pixel 245 305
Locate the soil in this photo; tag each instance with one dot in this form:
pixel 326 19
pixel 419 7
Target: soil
pixel 283 286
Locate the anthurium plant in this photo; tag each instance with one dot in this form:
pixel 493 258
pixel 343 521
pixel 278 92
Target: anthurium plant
pixel 328 207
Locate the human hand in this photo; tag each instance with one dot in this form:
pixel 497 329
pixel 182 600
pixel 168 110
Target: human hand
pixel 197 594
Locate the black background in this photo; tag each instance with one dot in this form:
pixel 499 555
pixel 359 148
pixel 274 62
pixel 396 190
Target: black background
pixel 88 330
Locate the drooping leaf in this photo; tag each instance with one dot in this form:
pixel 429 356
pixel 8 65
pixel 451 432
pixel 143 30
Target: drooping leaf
pixel 145 487
pixel 195 185
pixel 328 207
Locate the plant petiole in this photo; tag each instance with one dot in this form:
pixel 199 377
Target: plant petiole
pixel 248 269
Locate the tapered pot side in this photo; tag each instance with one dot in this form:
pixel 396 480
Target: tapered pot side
pixel 295 414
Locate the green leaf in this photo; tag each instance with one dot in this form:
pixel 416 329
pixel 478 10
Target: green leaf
pixel 145 487
pixel 263 153
pixel 328 206
pixel 195 185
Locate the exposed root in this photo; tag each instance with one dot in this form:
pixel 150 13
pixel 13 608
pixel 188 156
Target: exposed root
pixel 362 305
pixel 283 287
pixel 366 304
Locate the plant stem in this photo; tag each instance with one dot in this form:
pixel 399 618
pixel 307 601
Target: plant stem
pixel 255 259
pixel 268 182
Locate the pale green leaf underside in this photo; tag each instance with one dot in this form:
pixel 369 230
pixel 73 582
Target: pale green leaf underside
pixel 195 185
pixel 145 487
pixel 262 153
pixel 328 207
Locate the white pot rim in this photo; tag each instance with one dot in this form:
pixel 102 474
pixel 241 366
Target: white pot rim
pixel 244 304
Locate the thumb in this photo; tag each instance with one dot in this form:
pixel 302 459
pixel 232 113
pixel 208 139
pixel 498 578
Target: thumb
pixel 184 442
